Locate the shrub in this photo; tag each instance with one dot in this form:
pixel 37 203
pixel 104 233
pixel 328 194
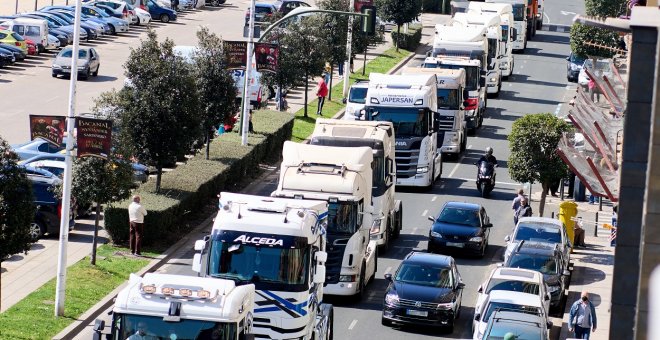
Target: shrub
pixel 194 184
pixel 408 41
pixel 583 33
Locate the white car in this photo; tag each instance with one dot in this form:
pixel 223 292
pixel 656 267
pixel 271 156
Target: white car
pixel 516 280
pixel 540 229
pixel 602 67
pixel 357 96
pixel 55 167
pixel 143 16
pixel 509 301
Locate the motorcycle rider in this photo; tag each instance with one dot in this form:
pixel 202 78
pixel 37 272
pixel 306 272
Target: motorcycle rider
pixel 488 157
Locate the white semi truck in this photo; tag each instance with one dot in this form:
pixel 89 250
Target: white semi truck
pixel 343 179
pixel 165 306
pixel 519 11
pixel 379 136
pixel 491 22
pixel 410 103
pixel 464 48
pixel 279 246
pixel 452 129
pixel 509 34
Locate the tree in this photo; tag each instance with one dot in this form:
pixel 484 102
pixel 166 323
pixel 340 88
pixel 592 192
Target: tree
pixel 101 181
pixel 16 204
pixel 399 12
pixel 533 142
pixel 581 34
pixel 605 8
pixel 160 108
pixel 215 84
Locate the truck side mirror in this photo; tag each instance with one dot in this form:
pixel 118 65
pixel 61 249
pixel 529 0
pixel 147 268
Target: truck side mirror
pixel 200 245
pixel 388 277
pixel 431 218
pixel 514 33
pixel 321 256
pixel 344 101
pixel 319 276
pixel 99 325
pixel 197 263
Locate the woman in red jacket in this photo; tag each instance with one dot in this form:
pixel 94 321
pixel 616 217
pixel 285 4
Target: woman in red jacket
pixel 321 93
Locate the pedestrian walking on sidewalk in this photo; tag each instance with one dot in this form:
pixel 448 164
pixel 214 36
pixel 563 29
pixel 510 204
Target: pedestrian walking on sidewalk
pixel 321 93
pixel 340 69
pixel 516 204
pixel 578 229
pixel 582 317
pixel 524 210
pixel 327 72
pixel 136 214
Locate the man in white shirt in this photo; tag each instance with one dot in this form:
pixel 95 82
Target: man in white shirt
pixel 136 214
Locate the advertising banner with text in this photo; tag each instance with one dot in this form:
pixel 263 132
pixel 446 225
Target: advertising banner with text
pixel 236 54
pixel 50 128
pixel 94 137
pixel 266 55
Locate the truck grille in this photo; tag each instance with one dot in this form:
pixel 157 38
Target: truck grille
pixel 335 249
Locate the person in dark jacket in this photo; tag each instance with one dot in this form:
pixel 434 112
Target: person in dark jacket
pixel 524 210
pixel 582 317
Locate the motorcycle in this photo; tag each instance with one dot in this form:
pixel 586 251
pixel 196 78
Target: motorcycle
pixel 485 177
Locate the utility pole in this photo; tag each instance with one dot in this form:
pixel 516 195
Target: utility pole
pixel 248 70
pixel 349 43
pixel 60 291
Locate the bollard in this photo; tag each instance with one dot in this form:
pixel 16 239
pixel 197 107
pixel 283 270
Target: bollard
pixel 596 225
pixel 600 203
pixel 561 190
pixel 552 215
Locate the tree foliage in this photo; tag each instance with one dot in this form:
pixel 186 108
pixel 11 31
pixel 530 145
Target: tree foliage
pixel 399 12
pixel 217 90
pixel 533 142
pixel 101 181
pixel 580 34
pixel 605 8
pixel 16 204
pixel 160 108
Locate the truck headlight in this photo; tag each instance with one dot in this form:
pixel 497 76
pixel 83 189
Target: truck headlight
pixel 454 138
pixel 347 278
pixel 422 169
pixel 493 79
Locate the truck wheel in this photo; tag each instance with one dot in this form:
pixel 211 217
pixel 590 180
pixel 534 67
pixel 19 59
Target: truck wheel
pixel 362 284
pixel 399 222
pixel 386 236
pixel 539 23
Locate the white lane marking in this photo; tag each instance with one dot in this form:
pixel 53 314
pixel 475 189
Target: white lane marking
pixel 547 17
pixel 414 230
pixel 558 109
pixel 387 270
pixel 569 87
pixel 433 198
pixel 425 212
pixel 353 323
pixel 502 183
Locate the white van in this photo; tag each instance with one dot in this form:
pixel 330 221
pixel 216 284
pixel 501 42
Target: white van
pixel 33 29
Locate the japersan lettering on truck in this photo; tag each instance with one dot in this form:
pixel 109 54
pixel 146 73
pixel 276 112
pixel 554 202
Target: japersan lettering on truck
pixel 397 99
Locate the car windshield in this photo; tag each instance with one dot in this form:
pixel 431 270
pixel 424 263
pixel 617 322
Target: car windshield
pixel 64 18
pixel 577 60
pixel 448 99
pixel 466 217
pixel 408 122
pixel 262 10
pixel 540 232
pixel 17 37
pixel 493 306
pixel 130 326
pixel 357 95
pixel 513 286
pixel 523 330
pixel 542 263
pixel 471 75
pixel 425 275
pixel 258 264
pixel 69 53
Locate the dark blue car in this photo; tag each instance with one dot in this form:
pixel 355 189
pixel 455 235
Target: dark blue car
pixel 161 13
pixel 460 226
pixel 49 207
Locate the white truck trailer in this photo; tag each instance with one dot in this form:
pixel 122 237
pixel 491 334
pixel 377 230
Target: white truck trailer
pixel 343 179
pixel 491 22
pixel 279 246
pixel 452 129
pixel 519 11
pixel 509 34
pixel 164 306
pixel 410 103
pixel 379 136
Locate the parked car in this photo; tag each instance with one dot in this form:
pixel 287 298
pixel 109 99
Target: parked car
pixel 89 62
pixel 49 207
pixel 505 300
pixel 57 23
pixel 93 30
pixel 18 52
pixel 426 289
pixel 31 47
pixel 356 101
pixel 119 10
pixel 262 11
pixel 12 38
pixel 516 280
pixel 101 25
pixel 547 259
pixel 34 148
pixel 144 17
pixel 64 35
pixel 573 67
pixel 286 6
pixel 525 326
pixel 33 29
pixel 55 167
pixel 140 171
pixel 460 226
pixel 116 25
pixel 215 3
pixel 540 229
pixel 6 58
pixel 161 13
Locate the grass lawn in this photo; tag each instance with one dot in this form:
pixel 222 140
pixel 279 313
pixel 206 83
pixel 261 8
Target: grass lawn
pixel 33 317
pixel 304 126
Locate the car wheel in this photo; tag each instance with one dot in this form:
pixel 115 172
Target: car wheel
pixel 113 31
pixel 36 230
pixel 164 18
pixel 86 75
pixel 54 75
pixel 96 73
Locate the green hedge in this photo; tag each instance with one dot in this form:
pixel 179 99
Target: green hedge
pixel 196 183
pixel 408 41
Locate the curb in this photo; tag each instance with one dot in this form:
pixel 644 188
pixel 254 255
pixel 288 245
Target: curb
pixel 556 28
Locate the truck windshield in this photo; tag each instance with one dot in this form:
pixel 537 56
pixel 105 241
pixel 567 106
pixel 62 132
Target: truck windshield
pixel 471 75
pixel 267 267
pixel 379 171
pixel 357 95
pixel 343 218
pixel 408 122
pixel 492 50
pixel 153 327
pixel 448 99
pixel 518 12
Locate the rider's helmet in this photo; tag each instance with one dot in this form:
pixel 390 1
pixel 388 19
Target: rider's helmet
pixel 489 151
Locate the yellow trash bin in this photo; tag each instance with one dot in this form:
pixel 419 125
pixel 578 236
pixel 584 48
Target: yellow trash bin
pixel 568 211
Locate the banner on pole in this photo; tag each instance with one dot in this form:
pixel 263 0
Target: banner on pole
pixel 266 56
pixel 360 3
pixel 94 137
pixel 236 54
pixel 49 128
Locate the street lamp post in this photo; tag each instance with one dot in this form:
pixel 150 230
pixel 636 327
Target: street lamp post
pixel 248 70
pixel 349 44
pixel 68 161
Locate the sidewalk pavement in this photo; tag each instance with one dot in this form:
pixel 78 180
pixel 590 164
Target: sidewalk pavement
pixel 592 266
pixel 9 7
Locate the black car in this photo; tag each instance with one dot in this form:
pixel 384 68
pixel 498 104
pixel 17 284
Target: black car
pixel 49 207
pixel 262 13
pixel 573 67
pixel 460 226
pixel 18 53
pixel 6 58
pixel 546 258
pixel 286 6
pixel 425 290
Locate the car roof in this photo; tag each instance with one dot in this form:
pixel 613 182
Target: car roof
pixel 516 298
pixel 517 274
pixel 462 205
pixel 510 315
pixel 428 258
pixel 546 220
pixel 46 162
